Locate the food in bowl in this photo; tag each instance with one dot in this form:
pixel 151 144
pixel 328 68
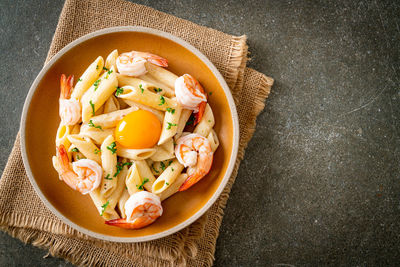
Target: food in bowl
pixel 132 134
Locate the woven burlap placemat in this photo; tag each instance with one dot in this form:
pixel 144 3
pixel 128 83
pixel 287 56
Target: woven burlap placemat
pixel 24 216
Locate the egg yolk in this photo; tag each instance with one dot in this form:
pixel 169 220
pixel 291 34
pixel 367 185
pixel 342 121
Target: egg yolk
pixel 139 129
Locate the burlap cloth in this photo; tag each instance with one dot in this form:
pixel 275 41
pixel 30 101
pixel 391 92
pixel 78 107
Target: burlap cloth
pixel 24 216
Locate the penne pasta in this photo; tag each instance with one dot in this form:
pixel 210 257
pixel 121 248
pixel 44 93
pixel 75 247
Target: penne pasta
pixel 96 134
pixel 124 80
pixel 97 95
pixel 135 154
pixel 159 114
pixel 133 180
pixel 101 204
pixel 147 98
pixel 121 202
pixel 62 134
pixel 183 119
pixel 145 172
pixel 109 164
pixel 161 154
pixel 86 147
pixel 115 196
pixel 174 187
pixel 165 89
pixel 110 120
pixel 206 123
pixel 111 59
pixel 214 141
pixel 88 78
pixel 111 105
pixel 162 75
pixel 167 177
pixel 169 146
pixel 170 124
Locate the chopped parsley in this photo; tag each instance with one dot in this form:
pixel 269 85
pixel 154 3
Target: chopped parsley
pixel 209 120
pixel 104 68
pixel 157 90
pixel 96 84
pixel 96 151
pixel 210 93
pixel 97 67
pixel 166 183
pixel 169 163
pixel 77 157
pixel 171 110
pixel 170 125
pixel 79 80
pixel 140 187
pixel 103 207
pixel 162 99
pixel 141 88
pixel 91 124
pixel 75 149
pixel 162 165
pixel 172 169
pixel 190 120
pixel 112 147
pixel 108 177
pixel 152 166
pixel 92 105
pixel 119 91
pixel 120 166
pixel 108 74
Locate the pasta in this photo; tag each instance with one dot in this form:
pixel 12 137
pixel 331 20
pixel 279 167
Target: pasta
pixel 133 134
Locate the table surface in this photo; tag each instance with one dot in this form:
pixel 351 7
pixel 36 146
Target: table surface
pixel 320 181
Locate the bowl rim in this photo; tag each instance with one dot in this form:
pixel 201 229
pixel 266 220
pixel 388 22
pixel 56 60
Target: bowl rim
pixel 186 45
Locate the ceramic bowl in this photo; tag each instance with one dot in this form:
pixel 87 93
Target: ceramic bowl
pixel 40 121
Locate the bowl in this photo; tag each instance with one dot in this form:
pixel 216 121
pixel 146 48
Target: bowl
pixel 40 121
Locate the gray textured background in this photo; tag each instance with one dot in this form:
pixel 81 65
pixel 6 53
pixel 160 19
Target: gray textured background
pixel 320 181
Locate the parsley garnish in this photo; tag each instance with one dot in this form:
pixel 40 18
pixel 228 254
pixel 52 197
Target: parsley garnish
pixel 172 169
pixel 77 157
pixel 96 84
pixel 162 101
pixel 169 163
pixel 210 93
pixel 75 149
pixel 112 147
pixel 162 165
pixel 166 183
pixel 79 80
pixel 172 110
pixel 170 125
pixel 92 105
pixel 190 120
pixel 141 88
pixel 91 124
pixel 108 177
pixel 209 120
pixel 120 166
pixel 152 166
pixel 140 187
pixel 97 67
pixel 96 151
pixel 104 68
pixel 157 90
pixel 119 91
pixel 108 74
pixel 104 207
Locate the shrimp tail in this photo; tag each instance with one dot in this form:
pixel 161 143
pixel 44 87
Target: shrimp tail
pixel 62 157
pixel 159 61
pixel 199 115
pixel 123 223
pixel 66 85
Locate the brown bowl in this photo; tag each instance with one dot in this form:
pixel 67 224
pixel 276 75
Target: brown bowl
pixel 40 121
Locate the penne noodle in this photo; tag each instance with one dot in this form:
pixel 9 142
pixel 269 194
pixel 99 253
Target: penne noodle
pixel 124 80
pixel 135 154
pixel 97 95
pixel 111 105
pixel 170 124
pixel 101 204
pixel 86 147
pixel 133 180
pixel 173 188
pixel 109 164
pixel 206 123
pixel 115 196
pixel 157 167
pixel 88 78
pixel 145 172
pixel 111 59
pixel 169 146
pixel 167 177
pixel 165 89
pixel 147 98
pixel 160 74
pixel 161 154
pixel 185 115
pixel 214 141
pixel 159 114
pixel 76 129
pixel 62 134
pixel 121 202
pixel 97 135
pixel 110 120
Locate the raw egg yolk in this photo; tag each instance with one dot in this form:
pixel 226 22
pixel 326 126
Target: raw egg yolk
pixel 139 129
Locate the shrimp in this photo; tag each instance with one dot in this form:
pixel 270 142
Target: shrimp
pixel 84 176
pixel 194 151
pixel 142 208
pixel 70 109
pixel 133 63
pixel 190 94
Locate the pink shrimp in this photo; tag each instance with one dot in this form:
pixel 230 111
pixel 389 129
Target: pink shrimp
pixel 190 94
pixel 142 209
pixel 194 151
pixel 133 63
pixel 70 109
pixel 84 176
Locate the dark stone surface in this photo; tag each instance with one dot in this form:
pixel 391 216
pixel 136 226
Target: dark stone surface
pixel 320 181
